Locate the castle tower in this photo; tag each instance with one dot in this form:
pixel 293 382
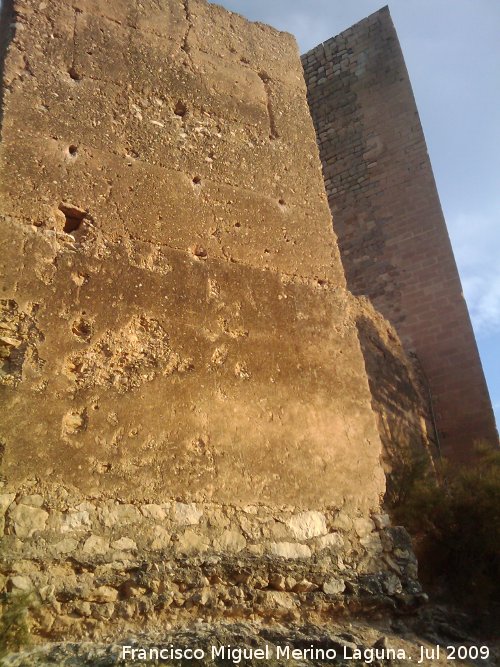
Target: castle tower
pixel 186 406
pixel 388 219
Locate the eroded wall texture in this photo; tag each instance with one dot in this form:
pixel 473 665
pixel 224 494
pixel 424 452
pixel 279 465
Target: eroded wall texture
pixel 173 287
pixel 187 426
pixel 387 216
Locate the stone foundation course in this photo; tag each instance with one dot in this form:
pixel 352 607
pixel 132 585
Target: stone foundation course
pixel 99 568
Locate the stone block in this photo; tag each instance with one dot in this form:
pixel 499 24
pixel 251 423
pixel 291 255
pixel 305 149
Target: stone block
pixel 289 550
pixel 78 521
pixel 160 538
pixel 6 500
pixel 363 526
pixel 230 541
pixel 124 544
pixel 307 525
pixel 28 520
pixel 104 594
pixel 333 541
pixel 153 511
pixel 65 546
pixel 186 514
pixel 333 586
pixel 96 545
pixel 21 584
pixel 191 542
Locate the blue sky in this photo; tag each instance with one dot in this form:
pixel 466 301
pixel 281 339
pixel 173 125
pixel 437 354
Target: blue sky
pixel 452 51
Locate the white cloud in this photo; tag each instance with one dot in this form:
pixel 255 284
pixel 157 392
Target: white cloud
pixel 476 242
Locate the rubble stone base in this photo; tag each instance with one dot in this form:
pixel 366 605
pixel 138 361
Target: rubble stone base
pixel 99 568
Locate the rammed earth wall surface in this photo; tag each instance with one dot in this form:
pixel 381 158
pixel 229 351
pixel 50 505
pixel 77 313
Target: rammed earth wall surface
pixel 387 216
pixel 187 421
pixel 176 316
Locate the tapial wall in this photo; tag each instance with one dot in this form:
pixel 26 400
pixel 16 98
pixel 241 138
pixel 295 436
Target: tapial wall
pixel 387 216
pixel 176 319
pixel 187 429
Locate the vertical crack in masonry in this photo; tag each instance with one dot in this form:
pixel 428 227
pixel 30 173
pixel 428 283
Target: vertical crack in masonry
pixel 72 70
pixel 266 79
pixel 185 44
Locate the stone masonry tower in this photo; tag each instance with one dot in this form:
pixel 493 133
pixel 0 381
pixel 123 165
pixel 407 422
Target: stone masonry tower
pixel 387 216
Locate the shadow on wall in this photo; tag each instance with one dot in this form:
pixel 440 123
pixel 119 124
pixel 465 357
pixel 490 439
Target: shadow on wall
pixel 400 402
pixel 7 31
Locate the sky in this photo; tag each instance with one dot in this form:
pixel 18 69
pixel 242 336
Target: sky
pixel 452 52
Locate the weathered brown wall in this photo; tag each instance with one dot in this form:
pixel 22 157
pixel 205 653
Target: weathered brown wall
pixel 176 319
pixel 187 426
pixel 388 219
pixel 187 421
